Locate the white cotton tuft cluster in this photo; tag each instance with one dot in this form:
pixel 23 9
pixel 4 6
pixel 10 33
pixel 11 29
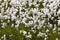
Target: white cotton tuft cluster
pixel 31 13
pixel 39 16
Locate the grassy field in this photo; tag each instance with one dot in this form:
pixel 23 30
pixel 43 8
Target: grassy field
pixel 17 36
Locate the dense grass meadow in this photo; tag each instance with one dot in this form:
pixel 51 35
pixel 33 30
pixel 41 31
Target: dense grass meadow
pixel 29 19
